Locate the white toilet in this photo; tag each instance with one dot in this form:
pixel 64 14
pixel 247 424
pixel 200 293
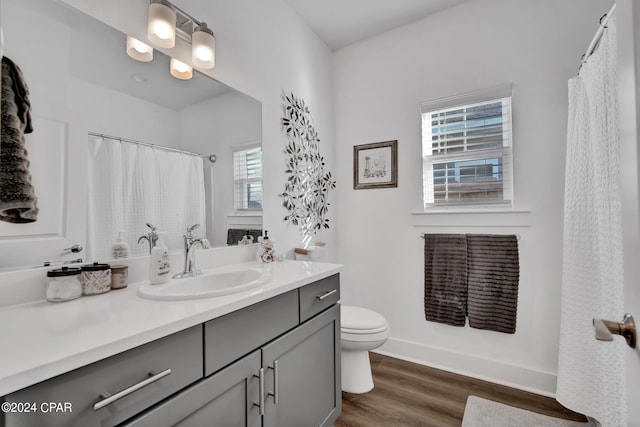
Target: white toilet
pixel 361 330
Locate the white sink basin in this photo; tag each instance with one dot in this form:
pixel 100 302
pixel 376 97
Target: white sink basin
pixel 211 283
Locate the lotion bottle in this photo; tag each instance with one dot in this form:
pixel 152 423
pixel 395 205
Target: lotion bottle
pixel 120 248
pixel 159 267
pixel 265 251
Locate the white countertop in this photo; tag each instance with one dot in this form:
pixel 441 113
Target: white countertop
pixel 41 339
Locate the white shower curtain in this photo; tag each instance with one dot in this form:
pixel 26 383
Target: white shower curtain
pixel 132 184
pixel 591 373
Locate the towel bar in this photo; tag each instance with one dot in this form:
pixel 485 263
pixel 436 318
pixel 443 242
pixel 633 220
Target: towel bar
pixel 513 234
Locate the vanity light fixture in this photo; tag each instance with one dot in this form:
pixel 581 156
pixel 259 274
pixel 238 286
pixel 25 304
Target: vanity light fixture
pixel 180 70
pixel 138 50
pixel 167 21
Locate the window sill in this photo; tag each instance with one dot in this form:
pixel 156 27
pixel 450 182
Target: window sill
pixel 242 220
pixel 471 211
pixel 471 217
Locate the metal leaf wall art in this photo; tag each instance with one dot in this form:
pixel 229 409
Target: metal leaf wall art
pixel 306 191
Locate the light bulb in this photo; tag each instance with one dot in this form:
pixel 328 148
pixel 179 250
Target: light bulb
pixel 161 26
pixel 162 29
pixel 181 67
pixel 203 51
pixel 138 50
pixel 180 70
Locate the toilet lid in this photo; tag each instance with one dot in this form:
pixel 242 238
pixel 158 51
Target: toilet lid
pixel 361 320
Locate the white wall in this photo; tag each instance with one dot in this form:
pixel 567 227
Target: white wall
pixel 263 49
pixel 214 127
pixel 378 87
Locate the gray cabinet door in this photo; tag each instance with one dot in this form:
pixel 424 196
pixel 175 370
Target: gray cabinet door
pixel 303 372
pixel 225 399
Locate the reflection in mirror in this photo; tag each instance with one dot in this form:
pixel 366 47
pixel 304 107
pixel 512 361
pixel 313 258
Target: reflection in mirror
pixel 137 188
pixel 81 81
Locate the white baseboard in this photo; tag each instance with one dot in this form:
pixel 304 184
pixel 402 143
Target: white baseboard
pixel 527 379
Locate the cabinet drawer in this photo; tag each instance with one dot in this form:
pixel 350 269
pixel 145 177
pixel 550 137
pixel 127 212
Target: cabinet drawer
pixel 178 357
pixel 319 296
pixel 233 335
pixel 223 399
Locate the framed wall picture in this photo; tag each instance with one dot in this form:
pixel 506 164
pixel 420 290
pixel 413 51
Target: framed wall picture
pixel 375 165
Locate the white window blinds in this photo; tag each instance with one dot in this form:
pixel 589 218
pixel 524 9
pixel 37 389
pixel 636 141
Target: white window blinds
pixel 466 149
pixel 247 178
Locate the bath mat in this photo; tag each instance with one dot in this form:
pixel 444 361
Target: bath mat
pixel 485 413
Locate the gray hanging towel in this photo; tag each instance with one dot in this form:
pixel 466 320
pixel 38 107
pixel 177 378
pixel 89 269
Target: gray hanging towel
pixel 445 278
pixel 17 196
pixel 494 273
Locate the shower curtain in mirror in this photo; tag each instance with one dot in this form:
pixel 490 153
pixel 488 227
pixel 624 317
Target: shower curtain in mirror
pixel 132 184
pixel 591 373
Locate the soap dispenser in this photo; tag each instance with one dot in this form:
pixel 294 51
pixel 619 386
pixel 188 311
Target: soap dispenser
pixel 265 251
pixel 159 267
pixel 120 248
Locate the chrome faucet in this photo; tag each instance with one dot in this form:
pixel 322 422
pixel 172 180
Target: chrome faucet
pixel 190 242
pixel 151 237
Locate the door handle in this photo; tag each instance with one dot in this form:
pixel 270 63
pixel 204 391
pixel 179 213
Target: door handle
pixel 605 330
pixel 260 402
pixel 326 295
pixel 276 389
pixel 108 399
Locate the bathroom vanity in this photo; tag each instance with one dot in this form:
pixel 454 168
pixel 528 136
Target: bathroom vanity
pixel 265 357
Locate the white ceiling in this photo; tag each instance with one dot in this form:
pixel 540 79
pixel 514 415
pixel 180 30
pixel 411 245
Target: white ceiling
pixel 342 22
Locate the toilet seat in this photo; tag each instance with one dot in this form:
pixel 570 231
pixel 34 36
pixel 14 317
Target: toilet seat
pixel 358 323
pixel 364 331
pixel 365 338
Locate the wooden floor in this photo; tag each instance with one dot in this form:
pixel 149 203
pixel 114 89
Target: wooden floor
pixel 407 394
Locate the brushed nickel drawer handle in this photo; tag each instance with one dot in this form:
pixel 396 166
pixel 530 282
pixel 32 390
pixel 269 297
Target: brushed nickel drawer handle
pixel 108 399
pixel 326 294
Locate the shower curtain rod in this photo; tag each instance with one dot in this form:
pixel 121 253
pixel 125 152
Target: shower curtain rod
pixel 211 157
pixel 598 36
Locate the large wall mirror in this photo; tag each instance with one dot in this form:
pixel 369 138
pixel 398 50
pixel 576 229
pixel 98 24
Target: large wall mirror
pixel 82 85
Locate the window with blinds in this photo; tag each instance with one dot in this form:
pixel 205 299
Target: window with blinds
pixel 247 178
pixel 466 149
